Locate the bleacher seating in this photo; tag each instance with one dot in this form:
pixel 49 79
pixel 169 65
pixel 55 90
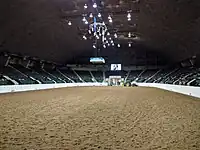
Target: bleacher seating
pixel 70 74
pixel 16 75
pixel 98 75
pixel 133 75
pixel 4 81
pixel 30 72
pixel 146 75
pixel 85 75
pixel 57 74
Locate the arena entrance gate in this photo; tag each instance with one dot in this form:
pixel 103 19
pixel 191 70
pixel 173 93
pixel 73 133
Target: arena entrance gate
pixel 115 80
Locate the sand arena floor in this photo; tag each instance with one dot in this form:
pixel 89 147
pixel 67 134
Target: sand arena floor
pixel 108 118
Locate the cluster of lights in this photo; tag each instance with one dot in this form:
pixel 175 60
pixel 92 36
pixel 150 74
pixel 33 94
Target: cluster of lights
pixel 99 29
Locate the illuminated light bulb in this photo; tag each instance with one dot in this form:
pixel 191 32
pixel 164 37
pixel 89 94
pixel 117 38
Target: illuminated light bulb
pixel 110 38
pixel 86 22
pixel 85 6
pixel 115 35
pixel 129 45
pixel 129 19
pixel 109 17
pixel 104 46
pixel 129 15
pixel 113 44
pixel 94 46
pixel 84 19
pixel 99 15
pixel 108 33
pixel 110 21
pixel 108 44
pixel 69 23
pixel 94 5
pixel 91 15
pixel 118 45
pixel 84 37
pixel 129 34
pixel 112 41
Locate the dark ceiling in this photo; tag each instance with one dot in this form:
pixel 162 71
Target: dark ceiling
pixel 40 28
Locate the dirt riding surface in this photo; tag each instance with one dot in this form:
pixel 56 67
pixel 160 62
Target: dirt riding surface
pixel 99 118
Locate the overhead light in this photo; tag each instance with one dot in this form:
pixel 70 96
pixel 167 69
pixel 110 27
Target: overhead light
pixel 129 45
pixel 91 15
pixel 115 35
pixel 110 38
pixel 112 41
pixel 85 6
pixel 94 46
pixel 129 15
pixel 108 44
pixel 86 22
pixel 84 37
pixel 129 34
pixel 99 15
pixel 104 46
pixel 69 23
pixel 110 21
pixel 108 33
pixel 113 44
pixel 129 19
pixel 118 45
pixel 84 19
pixel 109 17
pixel 95 5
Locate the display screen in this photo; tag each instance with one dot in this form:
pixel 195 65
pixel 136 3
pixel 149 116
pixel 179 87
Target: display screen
pixel 100 60
pixel 115 67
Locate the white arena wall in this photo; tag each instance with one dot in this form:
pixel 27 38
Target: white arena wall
pixel 187 90
pixel 32 87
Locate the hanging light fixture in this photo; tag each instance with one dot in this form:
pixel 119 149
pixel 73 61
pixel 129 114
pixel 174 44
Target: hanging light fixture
pixel 85 6
pixel 129 34
pixel 86 22
pixel 129 45
pixel 95 5
pixel 84 37
pixel 99 15
pixel 69 23
pixel 84 19
pixel 115 35
pixel 91 15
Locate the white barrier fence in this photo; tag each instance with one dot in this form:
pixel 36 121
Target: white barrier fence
pixel 31 87
pixel 187 90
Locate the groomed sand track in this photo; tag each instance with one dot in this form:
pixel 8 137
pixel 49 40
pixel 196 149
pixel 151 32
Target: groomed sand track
pixel 99 118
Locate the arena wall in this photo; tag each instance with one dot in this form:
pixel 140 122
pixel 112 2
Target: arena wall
pixel 31 87
pixel 187 90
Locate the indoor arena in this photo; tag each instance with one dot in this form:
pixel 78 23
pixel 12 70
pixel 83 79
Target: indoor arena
pixel 99 118
pixel 99 75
